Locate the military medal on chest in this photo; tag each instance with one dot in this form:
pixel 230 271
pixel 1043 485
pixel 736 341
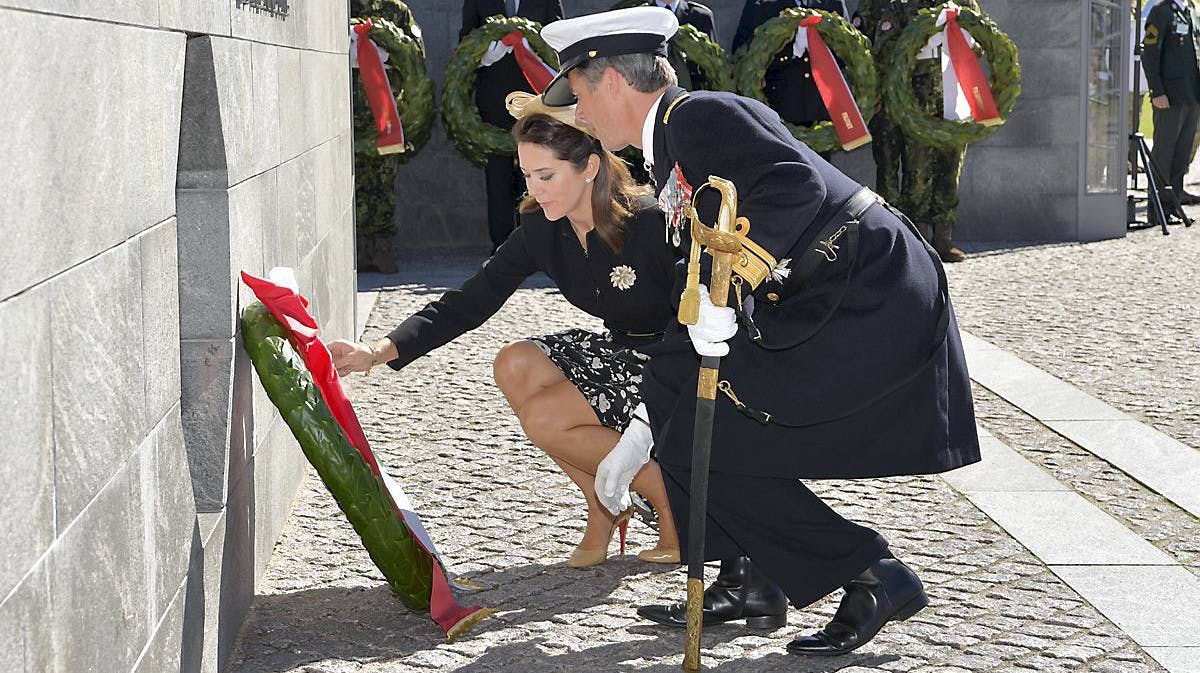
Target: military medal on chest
pixel 673 200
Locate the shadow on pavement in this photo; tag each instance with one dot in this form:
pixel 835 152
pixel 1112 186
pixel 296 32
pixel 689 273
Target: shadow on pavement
pixel 290 630
pixel 531 656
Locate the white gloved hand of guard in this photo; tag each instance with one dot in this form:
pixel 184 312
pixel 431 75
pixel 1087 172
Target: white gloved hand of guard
pixel 496 51
pixel 715 326
pixel 621 465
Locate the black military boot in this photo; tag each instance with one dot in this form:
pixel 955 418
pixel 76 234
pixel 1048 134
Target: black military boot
pixel 887 591
pixel 740 592
pixel 944 246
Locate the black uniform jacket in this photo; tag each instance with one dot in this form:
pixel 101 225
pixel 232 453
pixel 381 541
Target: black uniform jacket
pixel 636 316
pixel 494 82
pixel 788 83
pixel 695 14
pixel 1169 53
pixel 853 355
pixel 701 18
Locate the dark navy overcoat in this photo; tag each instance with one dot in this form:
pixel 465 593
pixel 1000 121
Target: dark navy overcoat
pixel 861 367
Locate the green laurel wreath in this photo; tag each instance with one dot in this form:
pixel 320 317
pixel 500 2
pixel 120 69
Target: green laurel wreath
pixel 901 102
pixel 698 48
pixel 844 40
pixel 395 11
pixel 361 495
pixel 411 87
pixel 474 137
pixel 708 56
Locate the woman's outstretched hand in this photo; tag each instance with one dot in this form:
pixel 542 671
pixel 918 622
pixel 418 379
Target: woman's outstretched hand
pixel 352 356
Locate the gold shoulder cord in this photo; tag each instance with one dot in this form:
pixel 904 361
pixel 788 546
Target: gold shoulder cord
pixel 671 107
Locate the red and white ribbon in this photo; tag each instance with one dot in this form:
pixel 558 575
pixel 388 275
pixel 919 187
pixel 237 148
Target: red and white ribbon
pixel 373 75
pixel 831 83
pixel 965 90
pixel 537 73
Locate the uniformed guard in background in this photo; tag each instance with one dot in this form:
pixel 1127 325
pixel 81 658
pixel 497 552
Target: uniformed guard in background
pixel 921 180
pixel 1169 58
pixel 788 83
pixel 493 82
pixel 688 13
pixel 844 360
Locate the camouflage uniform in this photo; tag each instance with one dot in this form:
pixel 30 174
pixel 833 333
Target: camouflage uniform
pixel 920 180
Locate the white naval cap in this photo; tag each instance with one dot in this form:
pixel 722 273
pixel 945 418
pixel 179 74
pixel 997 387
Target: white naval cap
pixel 635 30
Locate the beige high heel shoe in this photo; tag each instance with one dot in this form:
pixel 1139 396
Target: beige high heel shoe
pixel 660 555
pixel 586 557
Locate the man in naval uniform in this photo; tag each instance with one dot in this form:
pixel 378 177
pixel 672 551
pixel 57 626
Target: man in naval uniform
pixel 498 75
pixel 1169 58
pixel 847 362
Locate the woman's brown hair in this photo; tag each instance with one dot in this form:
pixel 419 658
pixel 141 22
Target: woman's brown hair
pixel 615 196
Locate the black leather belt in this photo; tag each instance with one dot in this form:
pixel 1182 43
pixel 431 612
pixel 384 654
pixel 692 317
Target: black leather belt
pixel 837 239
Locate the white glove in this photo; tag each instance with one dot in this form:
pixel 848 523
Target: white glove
pixel 621 465
pixel 716 324
pixel 496 51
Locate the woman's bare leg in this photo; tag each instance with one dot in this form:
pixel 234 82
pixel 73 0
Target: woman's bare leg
pixel 558 419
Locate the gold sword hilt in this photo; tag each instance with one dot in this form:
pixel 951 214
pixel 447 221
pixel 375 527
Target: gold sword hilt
pixel 722 242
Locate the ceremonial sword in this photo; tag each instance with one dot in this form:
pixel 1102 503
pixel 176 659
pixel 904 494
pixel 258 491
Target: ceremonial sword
pixel 722 242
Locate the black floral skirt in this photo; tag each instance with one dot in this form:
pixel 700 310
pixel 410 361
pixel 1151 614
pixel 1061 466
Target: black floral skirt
pixel 608 375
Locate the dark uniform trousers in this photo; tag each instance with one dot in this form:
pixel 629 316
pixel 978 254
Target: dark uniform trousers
pixel 493 83
pixel 809 550
pixel 1174 132
pixel 1170 60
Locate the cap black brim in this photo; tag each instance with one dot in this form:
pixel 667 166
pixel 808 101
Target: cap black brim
pixel 559 92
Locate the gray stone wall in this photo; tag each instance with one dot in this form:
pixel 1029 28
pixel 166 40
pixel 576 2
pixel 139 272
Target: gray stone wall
pixel 155 148
pixel 1020 184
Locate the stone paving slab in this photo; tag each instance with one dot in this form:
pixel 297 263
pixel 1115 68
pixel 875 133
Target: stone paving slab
pixel 1001 468
pixel 1117 319
pixel 1064 528
pixel 1032 390
pixel 1124 593
pixel 1164 464
pixel 1060 527
pixel 505 517
pixel 364 302
pixel 1150 515
pixel 1177 659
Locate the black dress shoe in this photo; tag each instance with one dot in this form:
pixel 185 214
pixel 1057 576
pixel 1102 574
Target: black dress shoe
pixel 740 592
pixel 1188 199
pixel 887 591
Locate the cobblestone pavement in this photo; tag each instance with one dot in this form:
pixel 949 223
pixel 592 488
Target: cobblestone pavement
pixel 1119 319
pixel 1108 317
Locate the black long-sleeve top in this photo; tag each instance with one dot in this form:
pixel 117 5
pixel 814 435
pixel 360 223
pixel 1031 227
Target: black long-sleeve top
pixel 629 291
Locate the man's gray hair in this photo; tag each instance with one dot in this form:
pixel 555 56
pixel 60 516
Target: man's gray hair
pixel 646 73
